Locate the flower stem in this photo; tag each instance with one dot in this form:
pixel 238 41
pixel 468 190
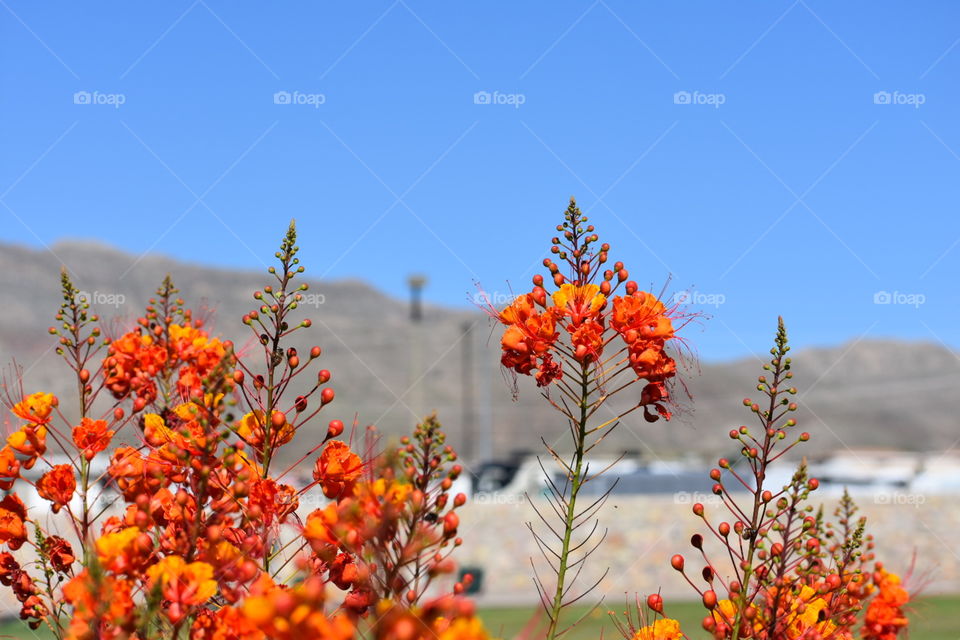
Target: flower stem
pixel 576 481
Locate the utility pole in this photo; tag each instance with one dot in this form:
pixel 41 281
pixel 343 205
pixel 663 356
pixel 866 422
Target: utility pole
pixel 417 282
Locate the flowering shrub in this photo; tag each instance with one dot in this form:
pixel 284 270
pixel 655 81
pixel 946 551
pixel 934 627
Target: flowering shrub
pixel 590 345
pixel 207 539
pixel 785 572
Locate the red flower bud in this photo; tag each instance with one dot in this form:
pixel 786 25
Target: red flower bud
pixel 450 523
pixel 655 602
pixel 334 429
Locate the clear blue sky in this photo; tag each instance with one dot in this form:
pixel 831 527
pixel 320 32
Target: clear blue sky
pixel 798 195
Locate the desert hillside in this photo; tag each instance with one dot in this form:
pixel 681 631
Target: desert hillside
pixel 388 371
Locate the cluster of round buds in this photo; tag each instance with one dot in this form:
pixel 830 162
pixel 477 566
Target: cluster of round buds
pixel 270 323
pixel 426 462
pixel 75 341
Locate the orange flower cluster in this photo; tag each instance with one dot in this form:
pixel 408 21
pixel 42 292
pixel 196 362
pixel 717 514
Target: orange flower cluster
pixel 208 541
pixel 382 540
pixel 885 617
pixel 143 362
pixel 25 445
pixel 208 532
pixel 572 327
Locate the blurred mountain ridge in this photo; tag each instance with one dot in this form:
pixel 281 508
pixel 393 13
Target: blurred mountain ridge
pixel 388 370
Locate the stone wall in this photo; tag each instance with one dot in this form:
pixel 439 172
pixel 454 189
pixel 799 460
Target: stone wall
pixel 643 532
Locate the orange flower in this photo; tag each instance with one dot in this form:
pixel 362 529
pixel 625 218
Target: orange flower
pixel 271 500
pixel 60 554
pixel 118 551
pixel 132 361
pixel 57 485
pixel 643 313
pixel 28 444
pixel 579 303
pixel 587 340
pixel 661 629
pixel 804 615
pixel 13 513
pixel 295 613
pixel 91 437
pixel 226 623
pixel 461 629
pixel 319 528
pixel 183 585
pixel 9 468
pixel 184 432
pixel 528 339
pixel 102 598
pixel 885 618
pixel 199 354
pixel 250 429
pixel 337 469
pixel 36 408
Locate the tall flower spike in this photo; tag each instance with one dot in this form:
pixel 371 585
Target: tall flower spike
pixel 590 333
pixel 785 577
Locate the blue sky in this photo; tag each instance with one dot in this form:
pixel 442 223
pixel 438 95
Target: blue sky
pixel 738 147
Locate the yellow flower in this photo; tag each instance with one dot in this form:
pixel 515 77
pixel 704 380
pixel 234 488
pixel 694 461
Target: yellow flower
pixel 725 612
pixel 809 618
pixel 585 299
pixel 36 408
pixel 187 584
pixel 464 629
pixel 113 548
pixel 251 429
pixel 662 629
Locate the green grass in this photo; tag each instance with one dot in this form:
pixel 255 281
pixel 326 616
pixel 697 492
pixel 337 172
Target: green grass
pixel 933 618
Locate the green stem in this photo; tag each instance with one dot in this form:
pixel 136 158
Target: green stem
pixel 576 481
pixel 745 598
